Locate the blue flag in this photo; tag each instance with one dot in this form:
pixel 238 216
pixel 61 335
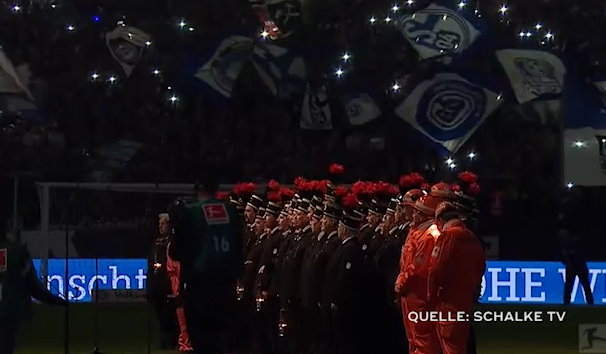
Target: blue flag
pixel 280 69
pixel 448 108
pixel 221 70
pixel 441 29
pixel 533 74
pixel 584 133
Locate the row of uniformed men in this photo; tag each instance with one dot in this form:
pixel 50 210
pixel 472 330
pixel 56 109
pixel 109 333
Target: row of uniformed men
pixel 318 280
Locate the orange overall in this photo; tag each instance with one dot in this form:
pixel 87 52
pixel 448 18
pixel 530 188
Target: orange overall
pixel 456 268
pixel 412 284
pixel 173 269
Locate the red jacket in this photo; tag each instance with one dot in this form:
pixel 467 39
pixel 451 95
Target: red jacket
pixel 456 266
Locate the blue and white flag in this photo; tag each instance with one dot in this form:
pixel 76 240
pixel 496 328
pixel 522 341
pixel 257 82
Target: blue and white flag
pixel 584 134
pixel 448 109
pixel 315 112
pixel 126 45
pixel 283 73
pixel 10 82
pixel 439 30
pixel 222 69
pixel 533 74
pixel 361 109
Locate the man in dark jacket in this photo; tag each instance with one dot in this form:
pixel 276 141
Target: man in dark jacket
pixel 18 284
pixel 159 286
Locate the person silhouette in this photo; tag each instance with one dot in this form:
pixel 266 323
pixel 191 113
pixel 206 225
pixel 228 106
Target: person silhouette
pixel 591 337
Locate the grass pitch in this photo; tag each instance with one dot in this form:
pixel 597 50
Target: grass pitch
pixel 131 329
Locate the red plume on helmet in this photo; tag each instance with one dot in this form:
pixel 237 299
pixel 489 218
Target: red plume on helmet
pixel 274 196
pixel 336 169
pixel 286 194
pixel 299 181
pixel 245 190
pixel 473 190
pixel 364 192
pixel 273 185
pixel 222 195
pixel 468 177
pixel 405 183
pixel 418 180
pixel 350 201
pixel 455 187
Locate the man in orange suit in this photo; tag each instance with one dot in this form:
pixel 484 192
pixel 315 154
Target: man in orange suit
pixel 456 267
pixel 412 281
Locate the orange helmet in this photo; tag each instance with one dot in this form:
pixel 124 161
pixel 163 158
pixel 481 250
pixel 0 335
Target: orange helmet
pixel 444 207
pixel 427 205
pixel 412 196
pixel 442 190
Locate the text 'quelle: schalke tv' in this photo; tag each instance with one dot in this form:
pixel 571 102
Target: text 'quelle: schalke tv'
pixel 486 316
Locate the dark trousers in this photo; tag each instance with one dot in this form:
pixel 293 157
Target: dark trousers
pixel 166 313
pixel 311 331
pixel 573 270
pixel 293 314
pixel 265 327
pixel 207 309
pixel 350 332
pixel 8 335
pixel 327 331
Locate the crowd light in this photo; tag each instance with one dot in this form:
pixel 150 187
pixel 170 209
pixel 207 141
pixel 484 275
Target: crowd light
pixel 156 72
pixel 449 161
pixel 579 144
pixel 396 87
pixel 570 185
pixel 503 9
pixel 346 57
pixel 112 79
pixel 461 4
pixel 173 99
pixel 471 155
pixel 182 24
pixel 339 72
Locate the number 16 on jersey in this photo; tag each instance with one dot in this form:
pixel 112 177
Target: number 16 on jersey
pixel 221 244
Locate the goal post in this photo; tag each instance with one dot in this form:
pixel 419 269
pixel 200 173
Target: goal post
pixel 44 190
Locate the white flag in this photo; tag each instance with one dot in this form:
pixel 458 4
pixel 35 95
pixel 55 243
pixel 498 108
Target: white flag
pixel 448 109
pixel 437 30
pixel 361 109
pixel 222 69
pixel 126 45
pixel 264 59
pixel 10 81
pixel 315 113
pixel 532 73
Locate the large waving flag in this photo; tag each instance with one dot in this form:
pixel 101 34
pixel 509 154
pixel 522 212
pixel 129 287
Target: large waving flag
pixel 222 69
pixel 584 134
pixel 447 109
pixel 361 109
pixel 283 72
pixel 533 74
pixel 441 29
pixel 10 82
pixel 315 112
pixel 126 45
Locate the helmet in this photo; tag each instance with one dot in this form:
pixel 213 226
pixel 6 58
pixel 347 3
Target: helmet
pixel 427 205
pixel 412 196
pixel 442 190
pixel 444 207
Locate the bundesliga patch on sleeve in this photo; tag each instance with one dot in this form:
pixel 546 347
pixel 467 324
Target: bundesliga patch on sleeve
pixel 3 260
pixel 215 214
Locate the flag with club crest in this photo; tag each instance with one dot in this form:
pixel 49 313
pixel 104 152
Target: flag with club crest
pixel 584 133
pixel 441 29
pixel 126 44
pixel 361 109
pixel 601 86
pixel 315 112
pixel 448 108
pixel 221 69
pixel 533 74
pixel 280 69
pixel 22 104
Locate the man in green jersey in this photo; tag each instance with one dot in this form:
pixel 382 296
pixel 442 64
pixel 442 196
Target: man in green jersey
pixel 18 283
pixel 207 242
